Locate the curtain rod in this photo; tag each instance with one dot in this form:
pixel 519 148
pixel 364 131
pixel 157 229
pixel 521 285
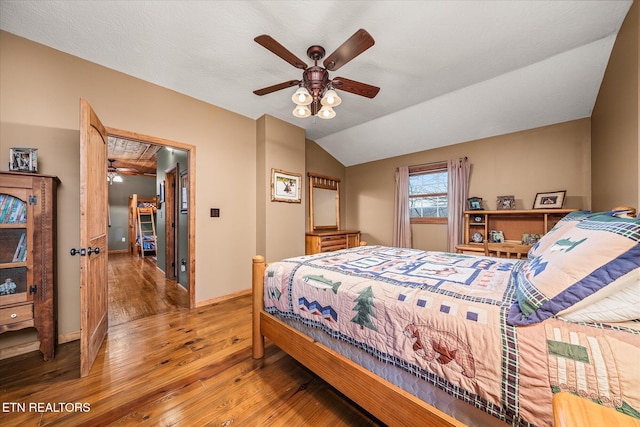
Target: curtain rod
pixel 432 163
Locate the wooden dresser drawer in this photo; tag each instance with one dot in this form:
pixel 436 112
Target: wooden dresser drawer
pixel 328 241
pixel 18 313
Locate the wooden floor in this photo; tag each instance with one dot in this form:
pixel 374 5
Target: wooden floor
pixel 175 367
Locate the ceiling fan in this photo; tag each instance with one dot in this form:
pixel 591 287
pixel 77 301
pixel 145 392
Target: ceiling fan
pixel 316 94
pixel 112 172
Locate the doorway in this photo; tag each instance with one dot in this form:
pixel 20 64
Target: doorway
pixel 171 198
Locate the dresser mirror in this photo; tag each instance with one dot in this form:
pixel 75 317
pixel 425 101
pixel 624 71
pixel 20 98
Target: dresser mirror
pixel 324 202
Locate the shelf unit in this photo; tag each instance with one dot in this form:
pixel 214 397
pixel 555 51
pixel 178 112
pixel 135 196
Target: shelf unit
pixel 27 256
pixel 512 223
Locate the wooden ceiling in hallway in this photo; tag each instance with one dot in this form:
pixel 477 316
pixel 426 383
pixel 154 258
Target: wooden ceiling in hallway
pixel 133 157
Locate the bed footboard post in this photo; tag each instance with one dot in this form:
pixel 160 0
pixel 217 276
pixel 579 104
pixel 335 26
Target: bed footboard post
pixel 258 301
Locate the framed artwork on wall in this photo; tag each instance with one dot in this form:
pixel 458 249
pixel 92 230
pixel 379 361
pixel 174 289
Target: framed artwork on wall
pixel 184 191
pixel 161 194
pixel 285 186
pixel 550 200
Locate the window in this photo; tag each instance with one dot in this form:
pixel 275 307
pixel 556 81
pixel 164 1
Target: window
pixel 428 185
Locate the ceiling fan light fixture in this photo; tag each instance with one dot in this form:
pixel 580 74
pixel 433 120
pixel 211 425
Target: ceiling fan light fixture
pixel 301 111
pixel 112 176
pixel 330 99
pixel 326 113
pixel 302 96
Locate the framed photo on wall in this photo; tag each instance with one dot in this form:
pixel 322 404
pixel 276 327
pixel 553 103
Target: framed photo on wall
pixel 285 186
pixel 550 200
pixel 184 191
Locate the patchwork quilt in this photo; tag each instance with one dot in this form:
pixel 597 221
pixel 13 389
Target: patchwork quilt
pixel 443 317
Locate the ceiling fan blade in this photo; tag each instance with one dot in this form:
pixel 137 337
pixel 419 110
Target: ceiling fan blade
pixel 354 46
pixel 277 87
pixel 353 86
pixel 271 44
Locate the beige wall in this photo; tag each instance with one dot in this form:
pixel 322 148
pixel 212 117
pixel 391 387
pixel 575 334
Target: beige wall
pixel 522 164
pixel 280 224
pixel 614 130
pixel 40 91
pixel 320 162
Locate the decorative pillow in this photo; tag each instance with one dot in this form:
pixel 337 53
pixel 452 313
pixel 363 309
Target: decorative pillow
pixel 596 252
pixel 566 223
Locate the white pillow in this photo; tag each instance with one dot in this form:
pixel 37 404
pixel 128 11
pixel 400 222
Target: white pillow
pixel 618 302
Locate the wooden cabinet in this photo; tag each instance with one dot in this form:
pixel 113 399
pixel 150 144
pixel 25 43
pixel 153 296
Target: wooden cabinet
pixel 327 241
pixel 479 225
pixel 27 256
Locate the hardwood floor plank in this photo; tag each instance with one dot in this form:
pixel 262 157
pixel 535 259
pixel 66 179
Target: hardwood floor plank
pixel 163 364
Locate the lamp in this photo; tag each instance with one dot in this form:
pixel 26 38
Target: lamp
pixel 301 111
pixel 112 176
pixel 302 97
pixel 112 173
pixel 331 99
pixel 326 113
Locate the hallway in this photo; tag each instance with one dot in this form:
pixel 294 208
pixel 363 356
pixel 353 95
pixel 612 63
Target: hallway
pixel 138 289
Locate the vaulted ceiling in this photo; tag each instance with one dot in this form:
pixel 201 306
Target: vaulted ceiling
pixel 449 71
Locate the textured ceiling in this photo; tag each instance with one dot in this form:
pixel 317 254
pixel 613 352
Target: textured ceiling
pixel 449 71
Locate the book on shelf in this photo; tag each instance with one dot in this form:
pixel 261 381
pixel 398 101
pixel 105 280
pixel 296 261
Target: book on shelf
pixel 12 210
pixel 20 254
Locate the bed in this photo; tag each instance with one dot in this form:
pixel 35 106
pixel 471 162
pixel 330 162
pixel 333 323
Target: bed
pixel 442 339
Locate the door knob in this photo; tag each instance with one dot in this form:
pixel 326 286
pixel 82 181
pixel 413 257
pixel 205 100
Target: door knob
pixel 94 251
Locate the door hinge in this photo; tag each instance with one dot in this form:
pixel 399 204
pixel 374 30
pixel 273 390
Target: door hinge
pixel 33 289
pixel 33 200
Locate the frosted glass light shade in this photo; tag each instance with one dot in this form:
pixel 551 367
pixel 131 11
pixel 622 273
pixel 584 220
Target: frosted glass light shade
pixel 301 111
pixel 326 113
pixel 330 99
pixel 302 97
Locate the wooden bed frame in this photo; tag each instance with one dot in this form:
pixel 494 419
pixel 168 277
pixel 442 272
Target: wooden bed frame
pixel 384 400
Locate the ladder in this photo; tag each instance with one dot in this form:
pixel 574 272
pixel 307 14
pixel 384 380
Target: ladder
pixel 146 230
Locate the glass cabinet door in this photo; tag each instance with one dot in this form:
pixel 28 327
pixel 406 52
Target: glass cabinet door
pixel 16 243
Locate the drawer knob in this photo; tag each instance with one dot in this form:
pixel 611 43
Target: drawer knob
pixel 13 315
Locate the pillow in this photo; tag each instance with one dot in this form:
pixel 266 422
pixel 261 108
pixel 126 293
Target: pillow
pixel 596 252
pixel 618 302
pixel 566 223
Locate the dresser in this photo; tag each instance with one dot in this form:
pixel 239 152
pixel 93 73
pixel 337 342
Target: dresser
pixel 333 240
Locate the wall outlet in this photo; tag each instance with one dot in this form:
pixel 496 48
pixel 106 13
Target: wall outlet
pixel 124 239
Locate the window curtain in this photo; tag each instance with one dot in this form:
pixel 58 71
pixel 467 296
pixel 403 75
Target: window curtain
pixel 401 221
pixel 458 173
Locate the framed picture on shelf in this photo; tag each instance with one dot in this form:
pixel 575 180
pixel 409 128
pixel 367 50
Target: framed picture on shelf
pixel 23 159
pixel 550 200
pixel 285 186
pixel 505 202
pixel 474 203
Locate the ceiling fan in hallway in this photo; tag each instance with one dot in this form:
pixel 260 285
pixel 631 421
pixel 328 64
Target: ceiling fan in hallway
pixel 316 94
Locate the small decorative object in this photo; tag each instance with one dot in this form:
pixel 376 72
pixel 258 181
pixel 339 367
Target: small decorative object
pixel 477 238
pixel 506 202
pixel 23 159
pixel 553 199
pixel 478 218
pixel 496 236
pixel 8 287
pixel 285 186
pixel 474 203
pixel 530 239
